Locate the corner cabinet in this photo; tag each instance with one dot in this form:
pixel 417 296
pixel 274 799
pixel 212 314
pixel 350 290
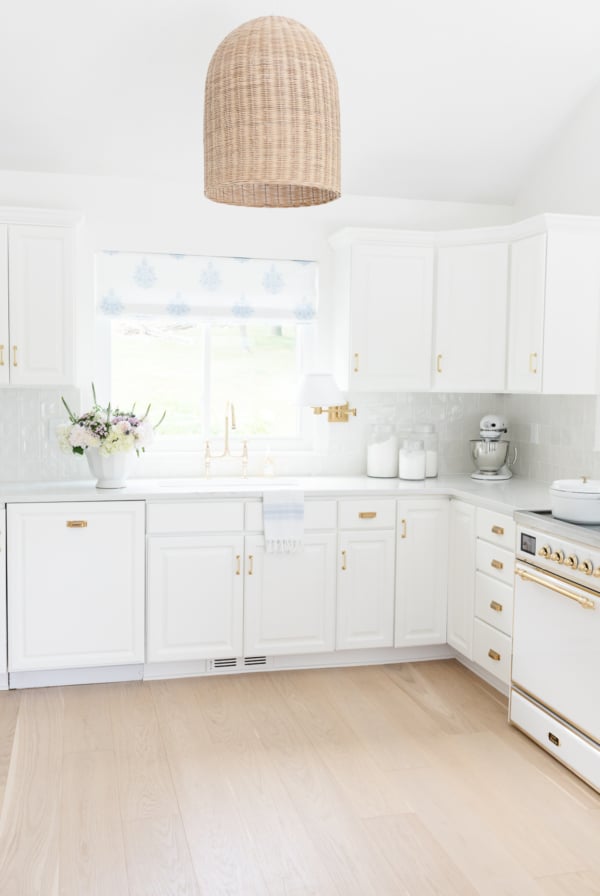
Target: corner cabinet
pixel 471 312
pixel 461 577
pixel 383 311
pixel 75 581
pixel 36 304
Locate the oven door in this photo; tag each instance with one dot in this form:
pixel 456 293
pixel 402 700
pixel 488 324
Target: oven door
pixel 556 647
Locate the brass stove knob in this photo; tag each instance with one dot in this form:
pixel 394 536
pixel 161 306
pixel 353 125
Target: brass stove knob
pixel 544 551
pixel 586 566
pixel 557 556
pixel 597 572
pixel 572 561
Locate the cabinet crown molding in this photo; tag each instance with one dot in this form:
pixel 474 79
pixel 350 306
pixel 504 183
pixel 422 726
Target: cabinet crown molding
pixel 42 216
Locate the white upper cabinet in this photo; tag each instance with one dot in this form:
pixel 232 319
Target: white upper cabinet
pixel 471 311
pixel 40 305
pixel 526 314
pixel 383 325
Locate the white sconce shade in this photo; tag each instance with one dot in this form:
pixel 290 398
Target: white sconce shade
pixel 319 390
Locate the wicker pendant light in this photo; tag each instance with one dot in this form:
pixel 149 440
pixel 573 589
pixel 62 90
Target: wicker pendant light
pixel 271 118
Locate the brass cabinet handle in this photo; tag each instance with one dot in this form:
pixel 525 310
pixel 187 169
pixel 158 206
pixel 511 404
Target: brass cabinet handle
pixel 586 602
pixel 439 364
pixel 344 560
pixel 497 564
pixel 498 530
pixel 76 524
pixel 238 564
pixel 367 515
pixel 533 362
pixel 1 356
pixel 494 655
pixel 15 364
pixel 494 605
pixel 403 523
pixel 355 362
pixel 250 564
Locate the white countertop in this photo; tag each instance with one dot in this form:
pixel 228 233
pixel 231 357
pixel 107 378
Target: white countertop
pixel 505 497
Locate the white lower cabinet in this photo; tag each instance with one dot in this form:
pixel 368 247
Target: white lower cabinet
pixel 289 599
pixel 421 572
pixel 75 585
pixel 365 592
pixel 195 597
pixel 3 645
pixel 461 577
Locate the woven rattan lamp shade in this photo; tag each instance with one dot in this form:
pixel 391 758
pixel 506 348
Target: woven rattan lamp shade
pixel 271 118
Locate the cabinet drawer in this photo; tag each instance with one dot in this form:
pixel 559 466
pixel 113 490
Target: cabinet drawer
pixel 558 739
pixel 196 516
pixel 491 650
pixel 496 562
pixel 364 514
pixel 494 602
pixel 317 515
pixel 497 528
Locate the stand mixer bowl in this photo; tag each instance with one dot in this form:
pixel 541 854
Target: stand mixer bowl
pixel 489 456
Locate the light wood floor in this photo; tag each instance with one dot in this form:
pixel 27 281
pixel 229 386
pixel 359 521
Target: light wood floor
pixel 401 780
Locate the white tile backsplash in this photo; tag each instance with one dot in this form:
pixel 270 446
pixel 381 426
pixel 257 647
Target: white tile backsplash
pixel 555 436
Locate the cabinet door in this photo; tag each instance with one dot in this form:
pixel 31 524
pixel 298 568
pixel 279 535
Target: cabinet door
pixel 391 318
pixel 41 306
pixel 461 577
pixel 75 584
pixel 289 600
pixel 365 607
pixel 471 311
pixel 421 572
pixel 4 343
pixel 526 314
pixel 195 597
pixel 3 644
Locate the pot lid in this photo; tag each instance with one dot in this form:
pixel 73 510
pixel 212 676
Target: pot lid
pixel 581 486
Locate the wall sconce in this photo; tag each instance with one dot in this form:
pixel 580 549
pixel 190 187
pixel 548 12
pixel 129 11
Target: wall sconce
pixel 320 392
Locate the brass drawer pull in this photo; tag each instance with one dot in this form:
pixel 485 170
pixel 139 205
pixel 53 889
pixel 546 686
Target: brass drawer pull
pixel 367 515
pixel 498 530
pixel 494 655
pixel 250 564
pixel 497 564
pixel 344 560
pixel 494 605
pixel 355 362
pixel 553 739
pixel 238 564
pixel 76 524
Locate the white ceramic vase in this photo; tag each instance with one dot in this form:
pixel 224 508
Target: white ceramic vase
pixel 110 470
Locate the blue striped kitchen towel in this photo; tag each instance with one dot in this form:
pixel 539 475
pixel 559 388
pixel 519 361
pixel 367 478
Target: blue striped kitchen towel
pixel 283 514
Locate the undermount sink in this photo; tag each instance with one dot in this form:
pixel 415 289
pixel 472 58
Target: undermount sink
pixel 195 485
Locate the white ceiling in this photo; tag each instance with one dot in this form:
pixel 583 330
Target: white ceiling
pixel 440 99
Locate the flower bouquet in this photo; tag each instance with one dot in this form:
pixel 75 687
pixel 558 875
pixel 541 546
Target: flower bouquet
pixel 108 437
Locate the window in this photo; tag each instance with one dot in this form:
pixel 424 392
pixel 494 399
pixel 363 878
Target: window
pixel 226 330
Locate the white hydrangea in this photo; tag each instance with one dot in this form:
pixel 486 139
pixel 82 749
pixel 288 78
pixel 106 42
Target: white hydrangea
pixel 144 435
pixel 118 440
pixel 62 433
pixel 80 437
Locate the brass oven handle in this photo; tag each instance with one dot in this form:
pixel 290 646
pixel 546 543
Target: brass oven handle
pixel 250 564
pixel 367 515
pixel 355 362
pixel 498 530
pixel 584 602
pixel 344 560
pixel 497 564
pixel 76 524
pixel 494 655
pixel 494 605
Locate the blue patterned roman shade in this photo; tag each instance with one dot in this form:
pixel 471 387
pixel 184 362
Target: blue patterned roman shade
pixel 205 288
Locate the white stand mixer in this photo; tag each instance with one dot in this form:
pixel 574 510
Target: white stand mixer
pixel 490 451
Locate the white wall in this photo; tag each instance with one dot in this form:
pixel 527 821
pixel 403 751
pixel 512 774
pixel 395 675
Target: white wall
pixel 566 177
pixel 173 217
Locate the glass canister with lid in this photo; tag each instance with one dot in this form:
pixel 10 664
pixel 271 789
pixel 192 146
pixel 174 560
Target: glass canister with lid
pixel 411 459
pixel 426 432
pixel 382 451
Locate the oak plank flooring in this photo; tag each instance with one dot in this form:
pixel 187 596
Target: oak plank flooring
pixel 376 781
